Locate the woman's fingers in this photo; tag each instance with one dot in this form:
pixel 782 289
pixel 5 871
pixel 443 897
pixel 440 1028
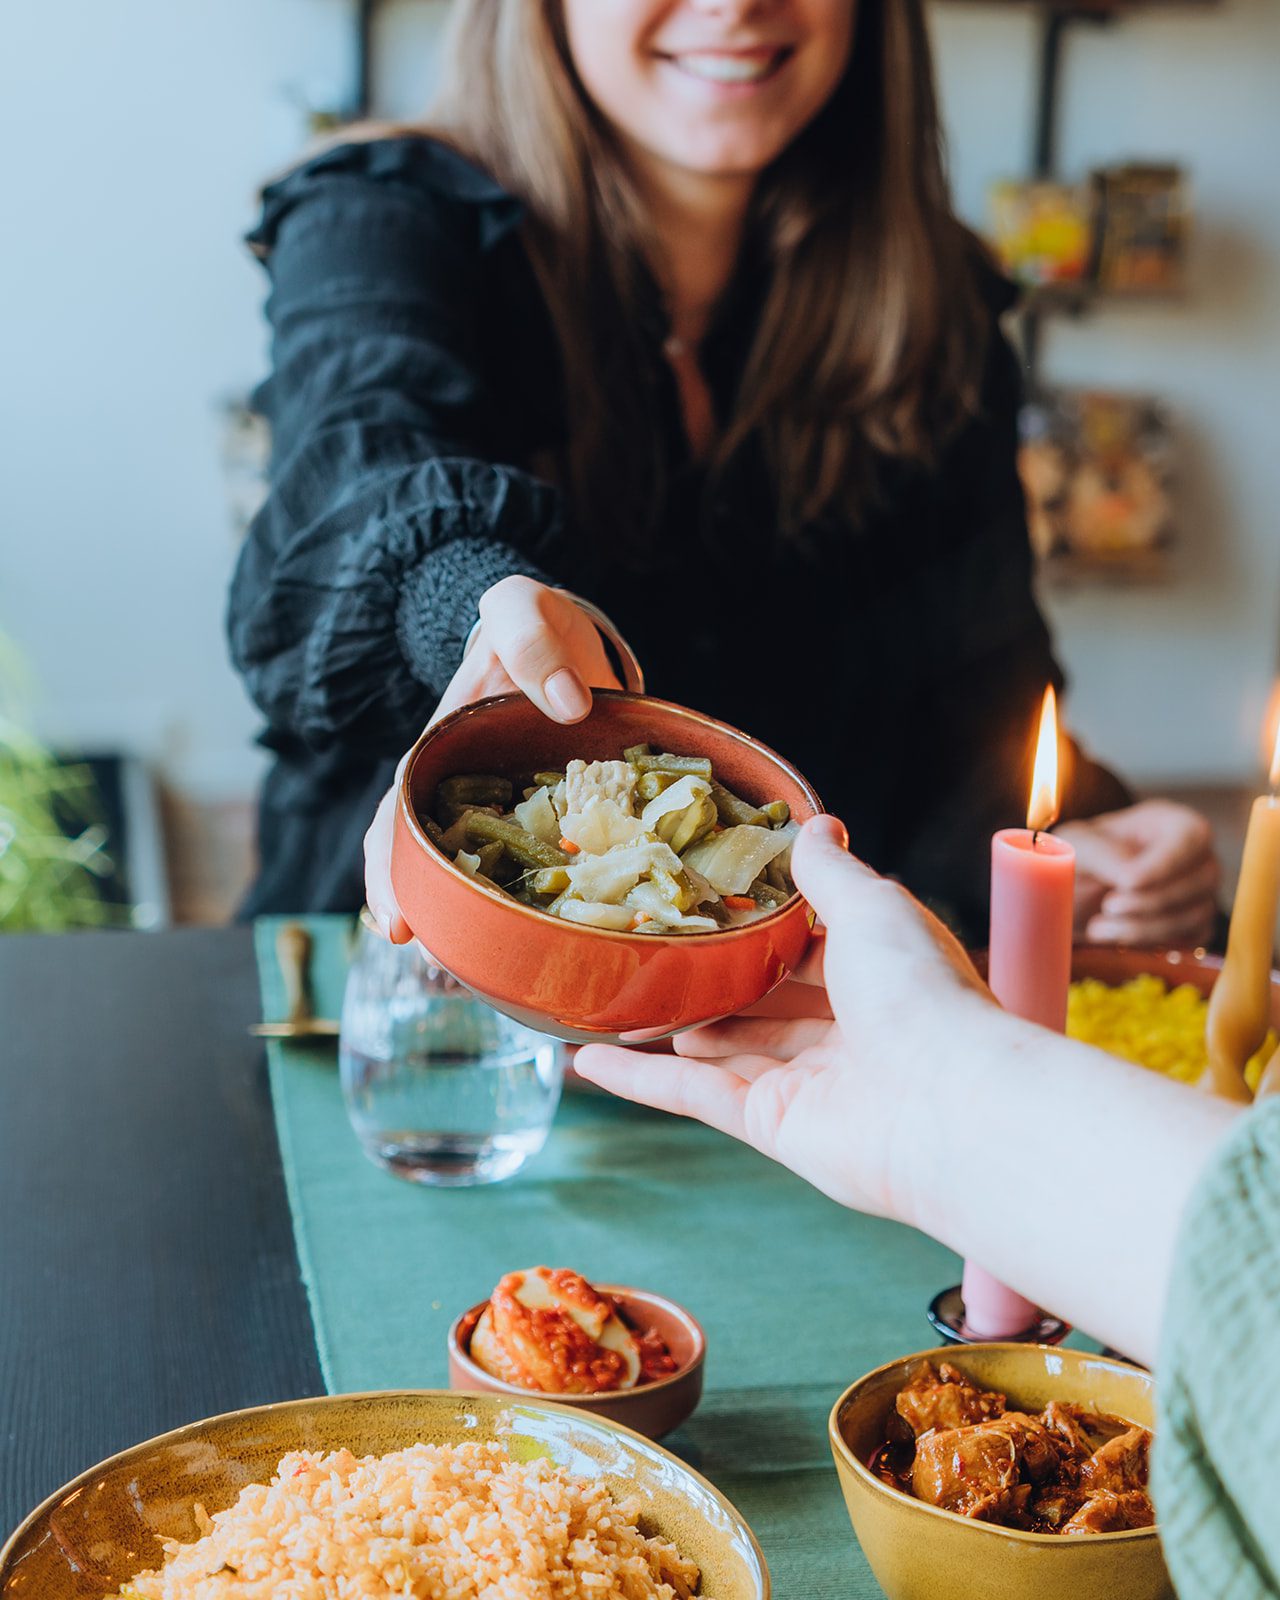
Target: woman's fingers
pixel 773 1038
pixel 550 649
pixel 1191 924
pixel 1171 840
pixel 378 892
pixel 479 676
pixel 1141 846
pixel 1189 888
pixel 713 1094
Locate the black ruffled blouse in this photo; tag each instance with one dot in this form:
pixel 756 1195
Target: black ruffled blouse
pixel 415 386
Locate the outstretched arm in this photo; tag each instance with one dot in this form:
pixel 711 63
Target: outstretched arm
pixel 1061 1169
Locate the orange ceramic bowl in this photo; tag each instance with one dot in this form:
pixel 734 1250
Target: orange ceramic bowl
pixel 652 1409
pixel 1116 964
pixel 588 985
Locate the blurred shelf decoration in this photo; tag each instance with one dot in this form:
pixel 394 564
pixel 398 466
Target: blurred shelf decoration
pixel 1122 237
pixel 1097 469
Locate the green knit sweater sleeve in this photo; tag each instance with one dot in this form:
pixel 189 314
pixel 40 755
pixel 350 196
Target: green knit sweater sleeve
pixel 1216 1465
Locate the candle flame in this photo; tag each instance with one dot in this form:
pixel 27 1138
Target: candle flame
pixel 1042 810
pixel 1269 743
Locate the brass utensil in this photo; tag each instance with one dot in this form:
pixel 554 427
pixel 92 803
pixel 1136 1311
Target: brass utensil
pixel 293 952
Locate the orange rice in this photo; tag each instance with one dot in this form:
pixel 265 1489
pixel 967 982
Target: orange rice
pixel 453 1522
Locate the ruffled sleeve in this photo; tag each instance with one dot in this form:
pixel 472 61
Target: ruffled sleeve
pixel 391 509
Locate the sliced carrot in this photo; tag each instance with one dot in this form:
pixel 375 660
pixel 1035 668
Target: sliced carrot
pixel 739 902
pixel 640 916
pixel 569 848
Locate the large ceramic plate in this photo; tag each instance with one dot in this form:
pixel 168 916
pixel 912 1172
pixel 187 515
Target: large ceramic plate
pixel 87 1539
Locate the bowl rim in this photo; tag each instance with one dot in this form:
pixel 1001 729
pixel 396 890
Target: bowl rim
pixel 81 1480
pixel 404 808
pixel 844 1455
pixel 606 1397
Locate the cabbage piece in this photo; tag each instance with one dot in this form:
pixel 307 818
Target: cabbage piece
pixel 732 861
pixel 608 877
pixel 469 863
pixel 681 813
pixel 601 825
pixel 663 916
pixel 599 780
pixel 538 816
pixel 596 915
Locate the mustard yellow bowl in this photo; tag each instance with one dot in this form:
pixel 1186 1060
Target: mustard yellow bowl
pixel 96 1532
pixel 919 1552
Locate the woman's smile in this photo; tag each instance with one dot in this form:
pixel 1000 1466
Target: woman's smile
pixel 732 71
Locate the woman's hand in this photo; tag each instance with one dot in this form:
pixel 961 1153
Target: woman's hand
pixel 1145 875
pixel 837 1099
pixel 923 1101
pixel 533 640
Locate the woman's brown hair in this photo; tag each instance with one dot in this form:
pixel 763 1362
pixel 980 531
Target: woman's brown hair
pixel 870 337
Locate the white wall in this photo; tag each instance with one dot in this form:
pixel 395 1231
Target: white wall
pixel 1167 683
pixel 128 310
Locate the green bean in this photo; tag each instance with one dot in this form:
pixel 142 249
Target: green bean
pixel 651 784
pixel 778 812
pixel 699 766
pixel 676 888
pixel 735 812
pixel 455 836
pixel 549 880
pixel 633 752
pixel 475 789
pixel 433 830
pixel 776 877
pixel 548 780
pixel 765 895
pixel 491 855
pixel 521 845
pixel 694 823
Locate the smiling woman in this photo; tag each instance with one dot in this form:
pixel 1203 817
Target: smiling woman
pixel 703 93
pixel 669 311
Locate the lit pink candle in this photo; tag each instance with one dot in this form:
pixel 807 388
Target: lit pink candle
pixel 1032 914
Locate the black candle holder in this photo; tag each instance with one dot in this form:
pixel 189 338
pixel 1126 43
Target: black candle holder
pixel 946 1313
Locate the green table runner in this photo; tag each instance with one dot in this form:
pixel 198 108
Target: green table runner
pixel 797 1295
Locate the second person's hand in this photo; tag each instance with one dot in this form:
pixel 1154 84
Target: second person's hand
pixel 533 640
pixel 832 1099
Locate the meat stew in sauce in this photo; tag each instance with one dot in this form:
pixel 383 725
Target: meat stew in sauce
pixel 1066 1470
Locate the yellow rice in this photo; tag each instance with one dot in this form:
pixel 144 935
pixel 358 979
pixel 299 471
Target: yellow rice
pixel 1147 1022
pixel 439 1521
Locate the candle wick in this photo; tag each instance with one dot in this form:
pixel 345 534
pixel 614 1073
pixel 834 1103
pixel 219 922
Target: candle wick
pixel 1035 837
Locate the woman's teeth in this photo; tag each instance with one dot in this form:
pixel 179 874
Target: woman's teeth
pixel 729 69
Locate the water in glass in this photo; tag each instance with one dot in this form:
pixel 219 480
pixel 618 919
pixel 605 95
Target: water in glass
pixel 440 1088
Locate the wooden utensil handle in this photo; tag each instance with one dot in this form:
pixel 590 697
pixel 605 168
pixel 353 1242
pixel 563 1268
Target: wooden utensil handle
pixel 293 952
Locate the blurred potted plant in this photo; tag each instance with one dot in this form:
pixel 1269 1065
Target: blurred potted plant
pixel 52 843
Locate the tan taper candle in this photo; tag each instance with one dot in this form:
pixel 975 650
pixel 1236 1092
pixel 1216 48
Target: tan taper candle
pixel 1240 1005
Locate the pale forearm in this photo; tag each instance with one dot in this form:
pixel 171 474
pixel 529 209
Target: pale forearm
pixel 1061 1169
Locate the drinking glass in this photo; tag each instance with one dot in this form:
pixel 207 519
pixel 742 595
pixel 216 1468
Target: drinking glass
pixel 440 1088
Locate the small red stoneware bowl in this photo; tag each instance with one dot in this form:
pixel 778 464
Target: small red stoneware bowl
pixel 588 985
pixel 653 1409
